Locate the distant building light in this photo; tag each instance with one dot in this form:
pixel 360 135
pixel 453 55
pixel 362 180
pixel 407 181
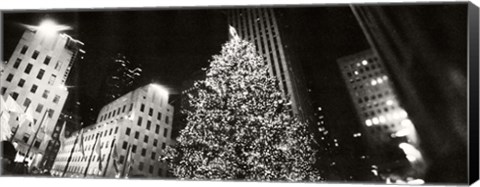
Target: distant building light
pixel 374 82
pixel 379 80
pixel 356 72
pixel 358 64
pixel 357 135
pixel 364 62
pixel 375 120
pixel 385 77
pixel 389 102
pixel 368 122
pixel 382 119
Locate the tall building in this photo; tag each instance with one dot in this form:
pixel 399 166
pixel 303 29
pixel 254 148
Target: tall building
pixel 390 135
pixel 121 77
pixel 35 76
pixel 140 121
pixel 72 123
pixel 428 50
pixel 261 27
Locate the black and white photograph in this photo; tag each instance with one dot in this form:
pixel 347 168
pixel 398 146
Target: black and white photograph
pixel 372 93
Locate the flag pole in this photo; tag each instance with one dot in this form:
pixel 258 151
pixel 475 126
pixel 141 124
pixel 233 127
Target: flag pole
pixel 35 136
pixel 70 156
pixel 91 154
pixel 18 126
pixel 108 159
pixel 125 161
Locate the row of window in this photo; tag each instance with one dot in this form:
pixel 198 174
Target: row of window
pixel 115 112
pixel 146 138
pixel 35 55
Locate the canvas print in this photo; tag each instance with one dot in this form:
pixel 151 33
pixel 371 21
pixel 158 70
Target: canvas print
pixel 352 93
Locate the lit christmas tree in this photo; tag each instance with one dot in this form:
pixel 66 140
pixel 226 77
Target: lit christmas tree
pixel 239 125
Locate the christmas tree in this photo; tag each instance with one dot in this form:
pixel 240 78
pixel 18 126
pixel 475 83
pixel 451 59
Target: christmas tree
pixel 240 127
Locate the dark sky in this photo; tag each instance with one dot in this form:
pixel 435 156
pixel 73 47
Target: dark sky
pixel 171 44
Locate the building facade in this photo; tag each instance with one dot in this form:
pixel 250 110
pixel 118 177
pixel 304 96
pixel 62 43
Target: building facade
pixel 35 76
pixel 390 135
pixel 261 27
pixel 138 125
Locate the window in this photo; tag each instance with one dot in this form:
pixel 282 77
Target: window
pixel 157 129
pixel 134 148
pixel 140 166
pixel 58 65
pixel 34 88
pixel 50 113
pixel 123 109
pixel 149 123
pixel 131 107
pixel 127 132
pixel 52 79
pixel 111 130
pixel 142 108
pixel 125 144
pixel 26 137
pixel 155 142
pixel 27 102
pixel 144 151
pixel 164 145
pixel 37 143
pixel 165 132
pixel 45 94
pixel 40 74
pixel 24 50
pixel 56 99
pixel 150 169
pixel 150 112
pixel 121 159
pixel 3 90
pixel 47 60
pixel 17 63
pixel 28 68
pixel 166 120
pixel 145 139
pixel 35 54
pixel 159 116
pixel 21 83
pixel 137 134
pixel 116 130
pixel 153 156
pixel 9 77
pixel 139 123
pixel 39 108
pixel 14 95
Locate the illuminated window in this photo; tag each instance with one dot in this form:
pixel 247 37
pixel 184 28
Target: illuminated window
pixel 375 120
pixel 368 122
pixel 373 82
pixel 364 62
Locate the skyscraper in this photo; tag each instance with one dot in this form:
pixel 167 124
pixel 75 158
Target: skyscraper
pixel 261 27
pixel 138 125
pixel 391 136
pixel 35 76
pixel 121 77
